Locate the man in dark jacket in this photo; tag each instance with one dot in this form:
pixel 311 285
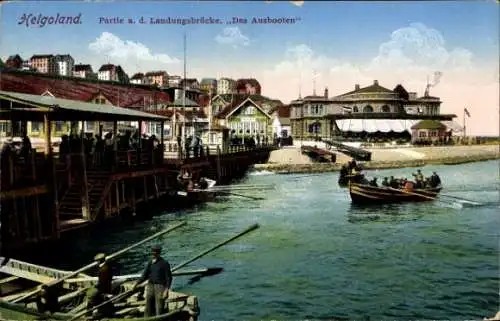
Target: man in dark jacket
pixel 159 277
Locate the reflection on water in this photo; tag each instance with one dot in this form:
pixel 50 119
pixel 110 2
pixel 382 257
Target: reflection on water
pixel 318 256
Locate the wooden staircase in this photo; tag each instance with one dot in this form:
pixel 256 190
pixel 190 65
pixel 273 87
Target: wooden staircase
pixel 72 204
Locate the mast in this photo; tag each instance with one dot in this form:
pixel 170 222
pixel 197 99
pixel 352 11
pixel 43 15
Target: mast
pixel 210 117
pixel 184 95
pixel 314 83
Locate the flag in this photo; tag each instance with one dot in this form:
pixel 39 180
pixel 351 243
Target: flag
pixel 466 112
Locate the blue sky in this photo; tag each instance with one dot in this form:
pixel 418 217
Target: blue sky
pixel 343 29
pixel 347 42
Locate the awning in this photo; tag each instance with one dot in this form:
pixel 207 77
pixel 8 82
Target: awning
pixel 453 126
pixel 376 125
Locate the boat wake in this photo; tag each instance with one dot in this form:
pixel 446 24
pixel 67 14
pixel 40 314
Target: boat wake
pixel 260 173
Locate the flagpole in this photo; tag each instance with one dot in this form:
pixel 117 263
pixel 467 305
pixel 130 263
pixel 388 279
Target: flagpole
pixel 464 134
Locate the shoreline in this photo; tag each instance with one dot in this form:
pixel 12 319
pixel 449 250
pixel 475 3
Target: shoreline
pixel 434 158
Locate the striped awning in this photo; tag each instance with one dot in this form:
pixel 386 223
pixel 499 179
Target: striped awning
pixel 376 125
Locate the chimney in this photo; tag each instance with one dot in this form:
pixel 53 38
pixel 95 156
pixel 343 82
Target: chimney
pixel 375 82
pixel 356 87
pixel 326 92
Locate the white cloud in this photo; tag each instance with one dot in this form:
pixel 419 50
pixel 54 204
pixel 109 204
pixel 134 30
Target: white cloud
pixel 130 53
pixel 298 3
pixel 410 56
pixel 421 47
pixel 232 36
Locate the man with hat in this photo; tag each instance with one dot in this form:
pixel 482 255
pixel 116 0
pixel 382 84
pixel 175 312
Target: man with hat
pixel 159 277
pixel 104 282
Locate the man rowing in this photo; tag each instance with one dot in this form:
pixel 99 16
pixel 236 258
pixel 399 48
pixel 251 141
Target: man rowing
pixel 97 295
pixel 434 180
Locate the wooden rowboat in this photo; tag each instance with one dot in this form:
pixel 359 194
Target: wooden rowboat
pixel 17 275
pixel 366 194
pixel 198 195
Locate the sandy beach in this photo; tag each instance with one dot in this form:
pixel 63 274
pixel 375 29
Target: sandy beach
pixel 290 159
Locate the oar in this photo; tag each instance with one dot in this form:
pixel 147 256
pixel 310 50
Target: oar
pixel 459 198
pixel 196 257
pixel 241 195
pixel 87 267
pixel 203 271
pixel 248 230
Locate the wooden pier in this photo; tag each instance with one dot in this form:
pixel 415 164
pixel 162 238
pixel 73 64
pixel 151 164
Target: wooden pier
pixel 46 194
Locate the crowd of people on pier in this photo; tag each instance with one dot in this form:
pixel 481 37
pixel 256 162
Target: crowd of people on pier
pixel 353 172
pixel 99 149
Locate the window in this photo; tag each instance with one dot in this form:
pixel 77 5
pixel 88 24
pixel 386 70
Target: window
pixel 249 110
pixel 355 109
pixel 59 126
pixel 89 126
pixel 422 134
pixel 386 109
pixel 36 126
pixel 4 127
pixel 368 109
pixel 315 128
pixel 434 133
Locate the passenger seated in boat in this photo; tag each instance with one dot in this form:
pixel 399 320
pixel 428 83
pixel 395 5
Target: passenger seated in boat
pixel 373 182
pixel 47 300
pixel 434 180
pixel 419 179
pixel 184 179
pixel 385 182
pixel 203 184
pixel 409 185
pixel 394 182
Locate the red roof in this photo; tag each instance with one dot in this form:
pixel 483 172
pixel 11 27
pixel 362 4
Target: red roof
pixel 123 95
pixel 284 111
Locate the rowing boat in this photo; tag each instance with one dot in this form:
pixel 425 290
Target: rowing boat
pixel 366 194
pixel 17 276
pixel 199 195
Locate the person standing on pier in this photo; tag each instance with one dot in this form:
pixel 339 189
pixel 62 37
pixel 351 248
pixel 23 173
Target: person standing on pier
pixel 159 277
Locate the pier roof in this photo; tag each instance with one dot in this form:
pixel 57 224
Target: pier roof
pixel 18 106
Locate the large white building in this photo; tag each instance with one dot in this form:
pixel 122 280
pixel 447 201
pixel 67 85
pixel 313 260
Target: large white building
pixel 226 86
pixel 64 65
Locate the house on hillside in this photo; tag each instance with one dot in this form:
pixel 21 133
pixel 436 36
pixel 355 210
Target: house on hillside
pixel 226 86
pixel 13 62
pixel 209 85
pixel 84 71
pixel 64 65
pixel 248 86
pixel 190 83
pixel 137 78
pixel 110 72
pixel 158 78
pixel 45 64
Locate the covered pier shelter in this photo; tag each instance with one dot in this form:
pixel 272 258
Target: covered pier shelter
pixel 44 194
